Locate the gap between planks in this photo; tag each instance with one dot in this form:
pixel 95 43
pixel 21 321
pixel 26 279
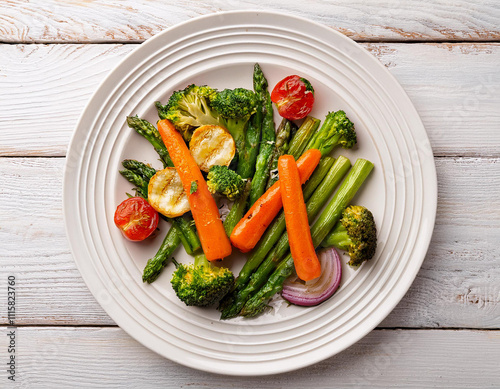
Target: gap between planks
pixel 382 328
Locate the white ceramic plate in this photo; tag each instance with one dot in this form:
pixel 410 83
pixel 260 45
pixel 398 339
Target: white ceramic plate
pixel 220 50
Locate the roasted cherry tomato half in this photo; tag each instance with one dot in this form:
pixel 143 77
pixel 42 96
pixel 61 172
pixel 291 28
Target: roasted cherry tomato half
pixel 294 96
pixel 136 218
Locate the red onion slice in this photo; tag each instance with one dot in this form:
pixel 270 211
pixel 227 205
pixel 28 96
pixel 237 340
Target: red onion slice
pixel 320 289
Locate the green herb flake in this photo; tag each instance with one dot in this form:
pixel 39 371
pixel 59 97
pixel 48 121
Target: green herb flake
pixel 194 187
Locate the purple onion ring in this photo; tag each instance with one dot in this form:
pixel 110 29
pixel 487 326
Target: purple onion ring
pixel 320 289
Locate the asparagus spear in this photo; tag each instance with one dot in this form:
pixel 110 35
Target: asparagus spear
pixel 141 185
pixel 150 132
pixel 285 130
pixel 156 264
pixel 360 171
pixel 248 156
pixel 268 138
pixel 139 167
pixel 247 283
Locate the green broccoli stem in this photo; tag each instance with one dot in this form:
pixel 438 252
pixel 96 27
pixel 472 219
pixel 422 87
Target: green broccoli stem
pixel 316 142
pixel 201 260
pixel 248 156
pixel 280 148
pixel 336 129
pixel 301 139
pixel 150 132
pixel 338 237
pixel 326 147
pixel 156 264
pixel 237 129
pixel 237 210
pixel 326 221
pixel 262 167
pixel 256 270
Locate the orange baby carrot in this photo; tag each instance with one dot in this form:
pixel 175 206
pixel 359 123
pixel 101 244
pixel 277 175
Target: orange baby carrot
pixel 251 227
pixel 205 212
pixel 304 256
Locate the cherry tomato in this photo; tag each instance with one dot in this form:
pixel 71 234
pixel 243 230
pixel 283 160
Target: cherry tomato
pixel 136 218
pixel 294 97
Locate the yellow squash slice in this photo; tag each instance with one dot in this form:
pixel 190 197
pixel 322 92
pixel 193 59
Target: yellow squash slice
pixel 166 193
pixel 212 145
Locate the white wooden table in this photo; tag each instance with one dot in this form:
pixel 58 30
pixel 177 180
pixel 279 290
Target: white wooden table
pixel 444 333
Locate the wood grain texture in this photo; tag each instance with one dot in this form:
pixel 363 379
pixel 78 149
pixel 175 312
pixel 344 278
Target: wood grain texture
pixel 458 285
pixel 102 357
pixel 44 90
pixel 453 86
pixel 134 21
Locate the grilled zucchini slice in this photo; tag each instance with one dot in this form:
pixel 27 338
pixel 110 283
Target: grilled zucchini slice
pixel 166 193
pixel 212 145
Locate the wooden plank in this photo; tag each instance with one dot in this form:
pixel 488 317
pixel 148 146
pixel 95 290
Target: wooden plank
pixel 34 247
pixel 460 277
pixel 135 21
pixel 458 285
pixel 99 357
pixel 45 88
pixel 454 89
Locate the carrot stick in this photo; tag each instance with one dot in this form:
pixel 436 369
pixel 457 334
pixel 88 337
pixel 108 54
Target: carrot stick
pixel 252 226
pixel 205 212
pixel 304 256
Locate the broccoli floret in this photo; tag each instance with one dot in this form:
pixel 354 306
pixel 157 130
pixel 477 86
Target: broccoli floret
pixel 225 181
pixel 190 108
pixel 201 283
pixel 356 233
pixel 235 106
pixel 337 130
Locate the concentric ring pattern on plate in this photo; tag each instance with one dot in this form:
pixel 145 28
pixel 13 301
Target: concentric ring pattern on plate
pixel 220 50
